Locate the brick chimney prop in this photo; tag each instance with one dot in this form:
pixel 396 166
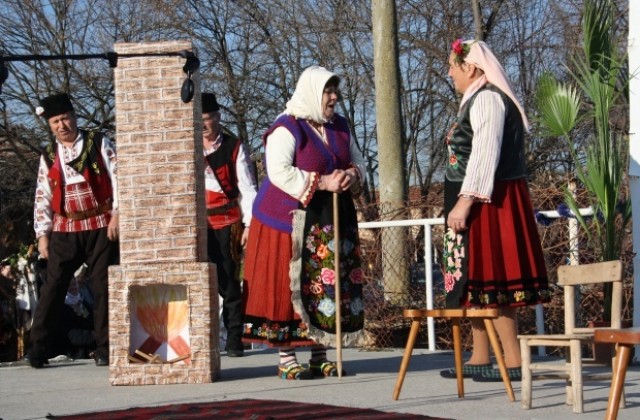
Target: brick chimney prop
pixel 163 297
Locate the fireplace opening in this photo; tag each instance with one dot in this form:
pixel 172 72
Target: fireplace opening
pixel 159 331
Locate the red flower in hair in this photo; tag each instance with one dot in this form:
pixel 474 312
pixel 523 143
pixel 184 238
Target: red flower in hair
pixel 456 46
pixel 460 49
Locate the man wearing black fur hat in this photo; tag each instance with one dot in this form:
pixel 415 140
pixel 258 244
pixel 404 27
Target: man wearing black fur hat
pixel 76 222
pixel 230 189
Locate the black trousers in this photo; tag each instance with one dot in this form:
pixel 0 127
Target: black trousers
pixel 67 251
pixel 219 252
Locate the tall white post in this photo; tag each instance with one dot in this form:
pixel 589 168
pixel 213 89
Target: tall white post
pixel 574 241
pixel 634 148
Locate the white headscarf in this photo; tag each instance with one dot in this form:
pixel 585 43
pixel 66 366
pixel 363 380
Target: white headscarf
pixel 481 56
pixel 306 101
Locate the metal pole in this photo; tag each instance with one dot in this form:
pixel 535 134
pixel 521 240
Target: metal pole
pixel 633 47
pixel 428 274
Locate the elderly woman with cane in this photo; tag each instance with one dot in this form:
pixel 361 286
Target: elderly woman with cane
pixel 290 273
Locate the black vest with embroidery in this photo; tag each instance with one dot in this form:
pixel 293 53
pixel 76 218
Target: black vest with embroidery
pixel 223 164
pixel 512 162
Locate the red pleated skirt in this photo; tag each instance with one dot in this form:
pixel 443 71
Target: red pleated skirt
pixel 503 255
pixel 267 288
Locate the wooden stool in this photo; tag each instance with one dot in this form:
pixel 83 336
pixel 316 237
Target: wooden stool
pixel 455 315
pixel 624 339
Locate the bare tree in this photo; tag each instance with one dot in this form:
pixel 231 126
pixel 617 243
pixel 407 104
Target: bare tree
pixel 253 51
pixel 50 29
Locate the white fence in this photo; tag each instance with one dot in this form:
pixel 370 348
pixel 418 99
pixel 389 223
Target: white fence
pixel 428 257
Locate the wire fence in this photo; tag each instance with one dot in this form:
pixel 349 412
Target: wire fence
pixel 389 291
pixel 399 259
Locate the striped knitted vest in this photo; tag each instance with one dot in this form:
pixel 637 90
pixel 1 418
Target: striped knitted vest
pixel 273 206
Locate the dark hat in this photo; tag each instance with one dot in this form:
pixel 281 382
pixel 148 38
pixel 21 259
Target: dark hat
pixel 54 105
pixel 209 103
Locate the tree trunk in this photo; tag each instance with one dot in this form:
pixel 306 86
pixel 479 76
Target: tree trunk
pixel 390 135
pixel 477 20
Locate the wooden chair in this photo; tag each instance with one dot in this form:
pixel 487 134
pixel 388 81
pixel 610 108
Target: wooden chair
pixel 624 339
pixel 455 315
pixel 570 277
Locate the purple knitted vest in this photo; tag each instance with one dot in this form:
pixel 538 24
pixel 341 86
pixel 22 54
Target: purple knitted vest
pixel 273 206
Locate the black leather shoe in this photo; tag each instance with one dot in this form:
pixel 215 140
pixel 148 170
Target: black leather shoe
pixel 37 362
pixel 36 359
pixel 234 347
pixel 235 353
pixel 102 361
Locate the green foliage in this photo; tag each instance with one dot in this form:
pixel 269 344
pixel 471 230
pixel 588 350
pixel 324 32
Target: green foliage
pixel 558 106
pixel 596 77
pixel 24 253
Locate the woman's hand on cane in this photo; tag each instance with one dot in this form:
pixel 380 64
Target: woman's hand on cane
pixel 334 181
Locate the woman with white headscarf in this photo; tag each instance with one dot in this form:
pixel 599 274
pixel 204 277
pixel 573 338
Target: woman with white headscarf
pixel 493 256
pixel 289 265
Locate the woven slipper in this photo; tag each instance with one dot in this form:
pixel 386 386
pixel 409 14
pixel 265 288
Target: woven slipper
pixel 294 373
pixel 468 371
pixel 493 375
pixel 325 369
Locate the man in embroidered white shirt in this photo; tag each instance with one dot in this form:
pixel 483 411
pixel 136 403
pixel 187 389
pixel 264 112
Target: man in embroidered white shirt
pixel 230 189
pixel 76 222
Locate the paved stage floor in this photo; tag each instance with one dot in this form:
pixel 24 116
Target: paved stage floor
pixel 72 387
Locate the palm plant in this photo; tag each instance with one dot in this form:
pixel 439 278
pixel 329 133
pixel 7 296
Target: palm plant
pixel 598 86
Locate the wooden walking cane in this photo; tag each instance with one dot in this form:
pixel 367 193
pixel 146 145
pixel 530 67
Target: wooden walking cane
pixel 336 246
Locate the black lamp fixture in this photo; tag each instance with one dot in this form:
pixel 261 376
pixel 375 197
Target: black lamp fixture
pixel 112 58
pixel 192 65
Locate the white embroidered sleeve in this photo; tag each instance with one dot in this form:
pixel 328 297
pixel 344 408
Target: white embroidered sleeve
pixel 487 116
pixel 42 211
pixel 246 184
pixel 110 161
pixel 279 152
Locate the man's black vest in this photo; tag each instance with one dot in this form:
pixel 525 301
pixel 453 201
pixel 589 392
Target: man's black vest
pixel 223 164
